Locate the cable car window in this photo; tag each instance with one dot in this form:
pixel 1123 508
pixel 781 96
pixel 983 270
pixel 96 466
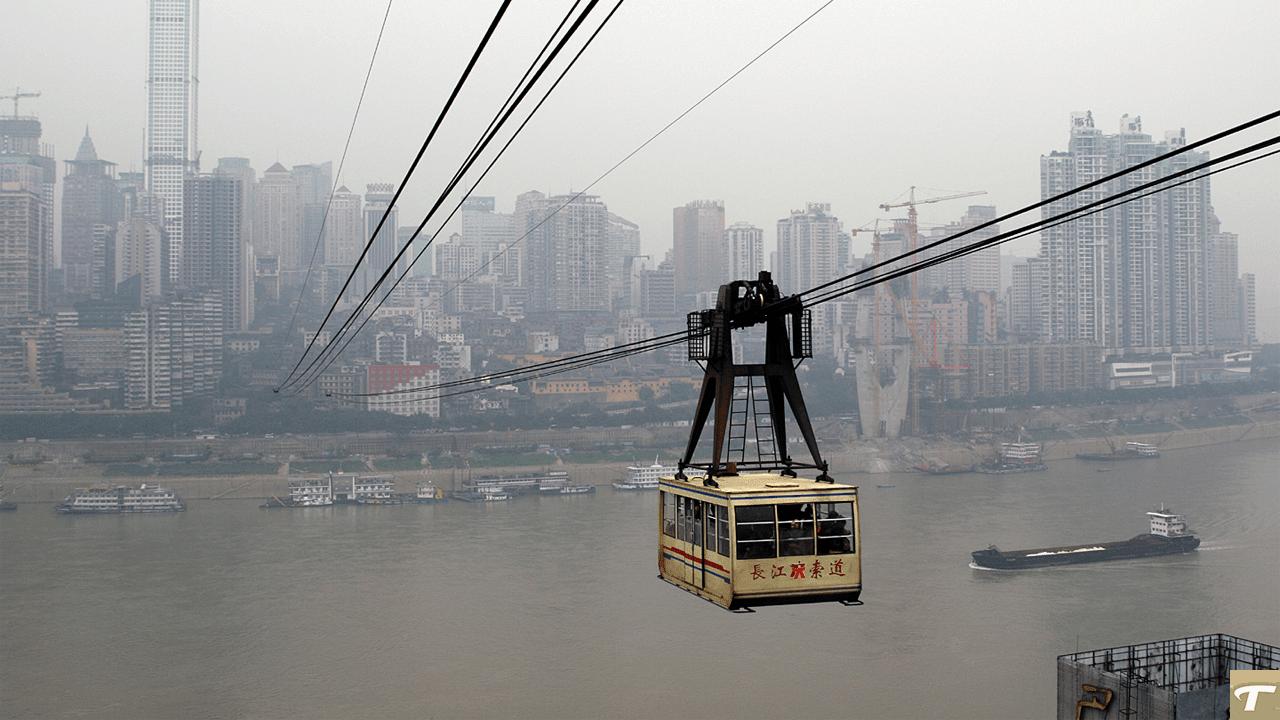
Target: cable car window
pixel 718 529
pixel 669 514
pixel 694 525
pixel 835 528
pixel 795 529
pixel 681 518
pixel 755 526
pixel 723 531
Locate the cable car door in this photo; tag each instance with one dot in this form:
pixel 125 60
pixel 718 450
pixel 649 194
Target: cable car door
pixel 689 546
pixel 697 544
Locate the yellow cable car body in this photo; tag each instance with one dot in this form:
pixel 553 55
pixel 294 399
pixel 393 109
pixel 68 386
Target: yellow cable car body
pixel 760 539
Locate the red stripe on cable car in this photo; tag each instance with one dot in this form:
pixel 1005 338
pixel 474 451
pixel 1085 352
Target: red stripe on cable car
pixel 708 563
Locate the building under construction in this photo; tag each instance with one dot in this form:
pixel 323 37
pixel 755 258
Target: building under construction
pixel 1184 678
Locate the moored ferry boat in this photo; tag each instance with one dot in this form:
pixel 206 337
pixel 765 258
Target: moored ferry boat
pixel 1016 457
pixel 1168 536
pixel 548 482
pixel 374 490
pixel 480 496
pixel 645 477
pixel 553 482
pixel 305 492
pixel 427 493
pixel 494 495
pixel 1131 451
pixel 122 499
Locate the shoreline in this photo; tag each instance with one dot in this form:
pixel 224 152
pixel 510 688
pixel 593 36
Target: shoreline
pixel 28 484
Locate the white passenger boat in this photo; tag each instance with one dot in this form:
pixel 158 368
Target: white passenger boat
pixel 645 477
pixel 122 499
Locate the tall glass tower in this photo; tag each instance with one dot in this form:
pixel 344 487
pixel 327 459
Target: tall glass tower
pixel 172 92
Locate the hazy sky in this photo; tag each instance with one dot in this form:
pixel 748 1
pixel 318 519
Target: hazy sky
pixel 866 100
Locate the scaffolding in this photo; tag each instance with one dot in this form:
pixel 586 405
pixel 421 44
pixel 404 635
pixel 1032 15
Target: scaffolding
pixel 1184 677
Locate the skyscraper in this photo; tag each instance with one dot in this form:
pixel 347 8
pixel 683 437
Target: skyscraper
pixel 745 243
pixel 808 248
pixel 1230 294
pixel 622 242
pixel 23 260
pixel 566 265
pixel 701 263
pixel 172 103
pixel 343 231
pixel 1026 290
pixel 315 183
pixel 214 259
pixel 377 198
pixel 138 251
pixel 491 233
pixel 423 265
pixel 24 158
pixel 241 169
pixel 89 198
pixel 1131 277
pixel 174 351
pixel 979 271
pixel 279 218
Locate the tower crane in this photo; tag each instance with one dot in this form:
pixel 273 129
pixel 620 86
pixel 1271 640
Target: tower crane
pixel 913 242
pixel 18 95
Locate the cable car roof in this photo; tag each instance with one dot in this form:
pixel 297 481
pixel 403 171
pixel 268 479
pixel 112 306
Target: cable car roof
pixel 752 484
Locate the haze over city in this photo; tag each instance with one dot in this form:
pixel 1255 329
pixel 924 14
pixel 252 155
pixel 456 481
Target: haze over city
pixel 809 359
pixel 872 99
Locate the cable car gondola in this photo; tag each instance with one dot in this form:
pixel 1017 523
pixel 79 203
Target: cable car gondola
pixel 747 532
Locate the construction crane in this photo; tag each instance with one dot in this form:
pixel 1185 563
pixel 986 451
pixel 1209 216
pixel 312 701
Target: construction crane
pixel 18 95
pixel 913 242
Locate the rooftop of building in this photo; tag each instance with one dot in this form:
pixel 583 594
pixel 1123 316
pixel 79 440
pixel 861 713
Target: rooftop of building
pixel 1182 664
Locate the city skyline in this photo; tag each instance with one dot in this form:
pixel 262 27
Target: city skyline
pixel 562 272
pixel 994 157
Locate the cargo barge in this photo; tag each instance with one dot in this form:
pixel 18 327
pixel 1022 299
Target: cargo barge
pixel 1168 536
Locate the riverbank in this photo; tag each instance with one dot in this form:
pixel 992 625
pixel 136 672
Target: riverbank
pixel 50 482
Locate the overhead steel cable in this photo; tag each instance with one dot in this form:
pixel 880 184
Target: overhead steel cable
pixel 1152 188
pixel 593 183
pixel 1020 232
pixel 641 146
pixel 535 376
pixel 332 356
pixel 545 364
pixel 495 125
pixel 337 178
pixel 524 377
pixel 1062 195
pixel 457 88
